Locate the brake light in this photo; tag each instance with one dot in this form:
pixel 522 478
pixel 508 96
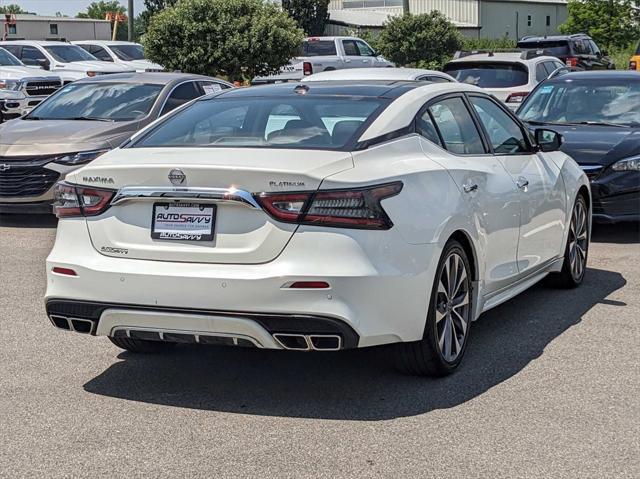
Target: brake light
pixel 633 65
pixel 63 271
pixel 517 97
pixel 307 68
pixel 571 62
pixel 352 208
pixel 72 200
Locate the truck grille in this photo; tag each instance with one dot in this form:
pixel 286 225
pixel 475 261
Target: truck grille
pixel 41 87
pixel 24 178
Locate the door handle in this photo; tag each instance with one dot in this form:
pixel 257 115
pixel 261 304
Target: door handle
pixel 469 188
pixel 522 183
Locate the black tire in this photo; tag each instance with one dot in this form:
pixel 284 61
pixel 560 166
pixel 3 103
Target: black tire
pixel 426 357
pixel 570 276
pixel 142 346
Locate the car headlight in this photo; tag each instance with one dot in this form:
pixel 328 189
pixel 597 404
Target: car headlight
pixel 81 158
pixel 9 85
pixel 628 164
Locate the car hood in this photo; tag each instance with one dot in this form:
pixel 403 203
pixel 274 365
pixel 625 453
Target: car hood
pixel 19 72
pixel 42 137
pixel 141 65
pixel 96 66
pixel 597 145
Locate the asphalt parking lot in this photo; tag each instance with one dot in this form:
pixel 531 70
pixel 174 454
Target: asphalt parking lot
pixel 550 388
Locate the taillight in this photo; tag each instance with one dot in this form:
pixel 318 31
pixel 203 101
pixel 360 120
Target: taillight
pixel 352 208
pixel 307 68
pixel 517 97
pixel 72 200
pixel 633 65
pixel 571 62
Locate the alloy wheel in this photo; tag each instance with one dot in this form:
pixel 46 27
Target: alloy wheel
pixel 453 307
pixel 578 240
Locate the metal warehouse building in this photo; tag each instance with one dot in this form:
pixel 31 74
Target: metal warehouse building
pixel 476 18
pixel 35 27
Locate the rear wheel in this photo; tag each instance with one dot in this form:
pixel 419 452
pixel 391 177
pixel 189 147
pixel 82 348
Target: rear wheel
pixel 577 248
pixel 448 320
pixel 142 346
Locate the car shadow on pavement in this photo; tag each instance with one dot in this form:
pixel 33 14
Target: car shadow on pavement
pixel 358 384
pixel 27 221
pixel 619 233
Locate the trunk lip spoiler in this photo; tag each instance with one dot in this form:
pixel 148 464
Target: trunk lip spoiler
pixel 216 195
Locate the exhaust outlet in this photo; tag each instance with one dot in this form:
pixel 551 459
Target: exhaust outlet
pixel 293 342
pixel 325 342
pixel 309 342
pixel 83 326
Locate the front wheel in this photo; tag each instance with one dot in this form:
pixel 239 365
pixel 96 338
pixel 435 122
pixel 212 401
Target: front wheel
pixel 577 247
pixel 448 319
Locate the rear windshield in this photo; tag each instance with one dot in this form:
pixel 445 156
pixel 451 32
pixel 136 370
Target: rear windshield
pixel 556 48
pixel 489 75
pixel 328 123
pixel 98 101
pixel 317 48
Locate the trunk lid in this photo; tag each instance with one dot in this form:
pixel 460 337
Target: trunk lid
pixel 241 234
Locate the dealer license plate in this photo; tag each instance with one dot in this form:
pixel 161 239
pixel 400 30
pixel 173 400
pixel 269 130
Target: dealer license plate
pixel 183 221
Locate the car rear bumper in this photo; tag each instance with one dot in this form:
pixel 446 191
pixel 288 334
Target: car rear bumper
pixel 368 302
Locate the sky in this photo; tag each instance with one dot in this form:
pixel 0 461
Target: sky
pixel 66 7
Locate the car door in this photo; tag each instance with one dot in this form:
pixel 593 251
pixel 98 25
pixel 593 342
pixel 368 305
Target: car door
pixel 352 57
pixel 367 55
pixel 484 184
pixel 537 179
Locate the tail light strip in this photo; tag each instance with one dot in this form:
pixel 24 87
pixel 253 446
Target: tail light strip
pixel 72 200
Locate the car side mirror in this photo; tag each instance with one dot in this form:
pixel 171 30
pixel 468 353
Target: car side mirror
pixel 43 63
pixel 548 140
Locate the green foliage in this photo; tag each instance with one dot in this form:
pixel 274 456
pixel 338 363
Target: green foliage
pixel 99 10
pixel 621 56
pixel 370 36
pixel 613 24
pixel 151 8
pixel 311 15
pixel 12 8
pixel 238 39
pixel 503 43
pixel 425 41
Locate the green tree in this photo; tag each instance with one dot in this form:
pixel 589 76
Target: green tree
pixel 99 10
pixel 613 23
pixel 427 40
pixel 12 8
pixel 238 39
pixel 311 15
pixel 151 8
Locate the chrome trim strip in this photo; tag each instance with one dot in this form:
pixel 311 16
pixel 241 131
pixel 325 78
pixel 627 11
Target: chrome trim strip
pixel 216 195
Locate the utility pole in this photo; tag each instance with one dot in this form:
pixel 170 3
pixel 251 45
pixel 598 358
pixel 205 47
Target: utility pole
pixel 130 16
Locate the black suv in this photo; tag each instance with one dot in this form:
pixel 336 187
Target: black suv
pixel 577 51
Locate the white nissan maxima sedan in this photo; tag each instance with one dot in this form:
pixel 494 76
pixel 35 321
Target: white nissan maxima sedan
pixel 317 217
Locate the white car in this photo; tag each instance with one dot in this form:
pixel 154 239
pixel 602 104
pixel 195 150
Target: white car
pixel 69 62
pixel 128 54
pixel 509 76
pixel 398 74
pixel 22 87
pixel 317 217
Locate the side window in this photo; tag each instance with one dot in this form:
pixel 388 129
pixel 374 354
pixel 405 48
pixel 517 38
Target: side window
pixel 426 128
pixel 181 95
pixel 13 49
pixel 100 53
pixel 594 48
pixel 350 48
pixel 541 72
pixel 456 127
pixel 505 135
pixel 365 50
pixel 209 87
pixel 32 56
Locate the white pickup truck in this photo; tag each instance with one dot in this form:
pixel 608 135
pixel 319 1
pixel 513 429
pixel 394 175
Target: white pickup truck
pixel 22 87
pixel 321 54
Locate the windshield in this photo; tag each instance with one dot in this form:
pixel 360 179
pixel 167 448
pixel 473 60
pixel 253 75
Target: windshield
pixel 98 101
pixel 69 53
pixel 128 52
pixel 558 48
pixel 578 101
pixel 7 59
pixel 328 123
pixel 489 75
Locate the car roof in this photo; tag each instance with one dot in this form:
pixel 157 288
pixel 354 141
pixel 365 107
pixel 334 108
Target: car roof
pixel 44 43
pixel 495 57
pixel 552 38
pixel 103 42
pixel 360 88
pixel 157 78
pixel 374 74
pixel 597 75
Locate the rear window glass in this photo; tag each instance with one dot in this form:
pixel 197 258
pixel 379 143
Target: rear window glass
pixel 317 48
pixel 321 122
pixel 555 48
pixel 489 75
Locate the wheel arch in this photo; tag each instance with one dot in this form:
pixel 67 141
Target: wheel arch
pixel 464 239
